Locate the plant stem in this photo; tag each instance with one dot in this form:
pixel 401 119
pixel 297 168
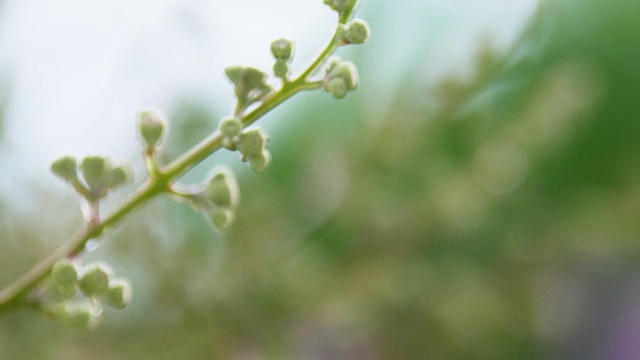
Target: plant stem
pixel 16 294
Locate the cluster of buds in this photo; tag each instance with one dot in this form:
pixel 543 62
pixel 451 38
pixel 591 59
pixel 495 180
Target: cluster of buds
pixel 94 281
pixel 282 51
pixel 250 85
pixel 218 199
pixel 251 143
pixel 340 78
pixel 98 173
pixel 355 32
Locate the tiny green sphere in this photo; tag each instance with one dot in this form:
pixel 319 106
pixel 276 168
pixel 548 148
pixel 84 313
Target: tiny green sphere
pixel 95 171
pixel 151 127
pixel 252 142
pixel 357 32
pixel 117 297
pixel 281 68
pixel 221 192
pixel 282 49
pixel 95 280
pixel 64 273
pixel 230 127
pixel 337 87
pixel 118 176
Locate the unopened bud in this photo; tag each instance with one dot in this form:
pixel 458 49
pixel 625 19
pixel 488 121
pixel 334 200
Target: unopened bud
pixel 119 175
pixel 260 162
pixel 151 126
pixel 64 279
pixel 79 316
pixel 341 77
pixel 252 142
pixel 282 49
pixel 281 68
pixel 94 281
pixel 221 218
pixel 66 168
pixel 250 84
pixel 118 294
pixel 95 171
pixel 357 32
pixel 337 87
pixel 230 127
pixel 223 190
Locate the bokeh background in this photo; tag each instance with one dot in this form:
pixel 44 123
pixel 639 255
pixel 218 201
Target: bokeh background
pixel 477 198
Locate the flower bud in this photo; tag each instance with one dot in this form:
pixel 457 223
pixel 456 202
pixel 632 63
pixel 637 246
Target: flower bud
pixel 119 175
pixel 79 316
pixel 220 218
pixel 337 87
pixel 342 6
pixel 252 142
pixel 250 84
pixel 64 278
pixel 95 171
pixel 282 49
pixel 341 77
pixel 230 127
pixel 281 68
pixel 357 32
pixel 223 190
pixel 94 280
pixel 118 294
pixel 66 168
pixel 260 162
pixel 151 126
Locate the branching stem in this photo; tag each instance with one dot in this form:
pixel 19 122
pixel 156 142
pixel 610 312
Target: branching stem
pixel 16 294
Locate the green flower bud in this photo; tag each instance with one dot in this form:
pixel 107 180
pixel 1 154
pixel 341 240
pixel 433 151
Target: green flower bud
pixel 282 49
pixel 230 127
pixel 341 77
pixel 357 32
pixel 223 190
pixel 151 126
pixel 260 162
pixel 337 87
pixel 79 316
pixel 118 294
pixel 119 176
pixel 66 168
pixel 95 171
pixel 220 218
pixel 252 142
pixel 281 68
pixel 250 84
pixel 94 280
pixel 344 7
pixel 63 280
pixel 64 271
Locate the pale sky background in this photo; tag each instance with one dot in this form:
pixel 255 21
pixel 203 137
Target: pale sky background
pixel 77 71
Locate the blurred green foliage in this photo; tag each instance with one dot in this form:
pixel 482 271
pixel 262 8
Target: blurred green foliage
pixel 427 231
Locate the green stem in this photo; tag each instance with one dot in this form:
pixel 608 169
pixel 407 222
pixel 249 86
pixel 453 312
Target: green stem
pixel 16 294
